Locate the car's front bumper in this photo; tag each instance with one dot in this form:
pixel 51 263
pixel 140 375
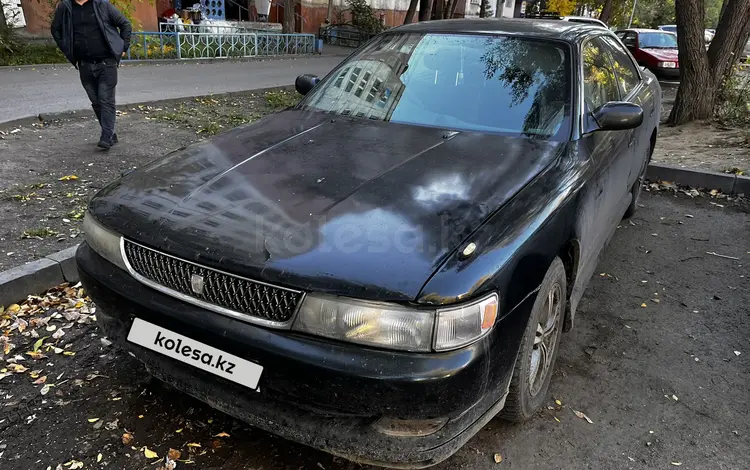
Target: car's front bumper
pixel 662 72
pixel 320 393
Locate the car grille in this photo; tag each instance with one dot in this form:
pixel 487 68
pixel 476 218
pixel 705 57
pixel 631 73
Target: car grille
pixel 224 292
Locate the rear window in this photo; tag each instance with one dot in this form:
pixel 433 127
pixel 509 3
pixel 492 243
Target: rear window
pixel 493 84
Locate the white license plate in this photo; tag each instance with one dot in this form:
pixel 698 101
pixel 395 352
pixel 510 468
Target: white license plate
pixel 195 353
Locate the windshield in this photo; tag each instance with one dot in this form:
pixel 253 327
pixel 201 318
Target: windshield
pixel 657 40
pixel 489 84
pixel 670 27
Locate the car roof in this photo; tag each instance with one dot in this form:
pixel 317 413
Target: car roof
pixel 549 29
pixel 644 30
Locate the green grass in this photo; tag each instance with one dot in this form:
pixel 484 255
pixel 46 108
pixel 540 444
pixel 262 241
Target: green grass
pixel 29 54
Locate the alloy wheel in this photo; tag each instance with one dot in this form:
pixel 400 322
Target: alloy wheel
pixel 545 340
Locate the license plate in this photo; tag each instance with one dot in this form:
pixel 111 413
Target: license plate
pixel 195 353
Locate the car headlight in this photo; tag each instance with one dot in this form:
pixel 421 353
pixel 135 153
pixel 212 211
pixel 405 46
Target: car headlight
pixel 396 327
pixel 103 241
pixel 668 65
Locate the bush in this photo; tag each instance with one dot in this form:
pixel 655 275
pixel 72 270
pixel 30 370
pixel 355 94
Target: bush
pixel 17 53
pixel 733 106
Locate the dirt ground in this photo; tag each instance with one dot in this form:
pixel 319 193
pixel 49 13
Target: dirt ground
pixel 55 167
pixel 701 145
pixel 658 361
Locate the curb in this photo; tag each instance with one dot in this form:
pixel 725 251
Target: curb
pixel 38 276
pixel 209 60
pixel 87 112
pixel 727 183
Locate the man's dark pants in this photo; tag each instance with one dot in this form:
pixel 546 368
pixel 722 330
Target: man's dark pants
pixel 99 80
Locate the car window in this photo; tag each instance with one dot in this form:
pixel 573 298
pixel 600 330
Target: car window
pixel 657 40
pixel 495 84
pixel 627 74
pixel 599 83
pixel 630 39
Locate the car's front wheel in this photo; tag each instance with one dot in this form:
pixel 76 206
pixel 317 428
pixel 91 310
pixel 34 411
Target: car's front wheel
pixel 541 340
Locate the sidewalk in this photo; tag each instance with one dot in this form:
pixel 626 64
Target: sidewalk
pixel 31 91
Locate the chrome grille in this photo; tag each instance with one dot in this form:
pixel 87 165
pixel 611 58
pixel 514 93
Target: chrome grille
pixel 224 292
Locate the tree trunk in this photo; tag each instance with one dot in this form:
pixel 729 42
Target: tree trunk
pixel 731 35
pixel 695 96
pixel 410 11
pixel 483 9
pixel 453 9
pixel 606 11
pixel 287 26
pixel 438 10
pixel 425 10
pixel 3 21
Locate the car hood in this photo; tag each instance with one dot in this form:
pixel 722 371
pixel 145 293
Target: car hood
pixel 664 55
pixel 321 203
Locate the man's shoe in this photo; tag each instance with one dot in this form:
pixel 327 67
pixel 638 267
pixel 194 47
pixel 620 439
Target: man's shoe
pixel 106 145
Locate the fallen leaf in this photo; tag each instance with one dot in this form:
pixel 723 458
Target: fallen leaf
pixel 150 454
pixel 34 374
pixel 222 434
pixel 174 454
pixel 558 403
pixel 36 354
pixel 40 380
pixel 74 464
pixel 583 416
pixel 179 431
pixel 69 353
pixel 556 419
pixel 677 464
pixel 98 458
pixel 17 368
pixel 737 353
pixel 45 389
pixel 68 178
pixel 498 458
pixel 93 420
pixel 127 438
pixel 644 305
pixel 193 444
pixel 674 397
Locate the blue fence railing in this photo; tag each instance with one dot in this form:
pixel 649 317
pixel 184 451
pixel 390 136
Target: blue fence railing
pixel 146 45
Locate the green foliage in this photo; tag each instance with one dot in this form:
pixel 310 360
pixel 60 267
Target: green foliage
pixel 18 53
pixel 281 99
pixel 733 108
pixel 363 17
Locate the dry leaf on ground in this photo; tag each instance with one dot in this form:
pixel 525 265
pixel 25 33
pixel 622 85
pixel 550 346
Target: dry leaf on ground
pixel 583 416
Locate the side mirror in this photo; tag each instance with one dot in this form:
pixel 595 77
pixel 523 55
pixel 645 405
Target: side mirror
pixel 617 116
pixel 305 83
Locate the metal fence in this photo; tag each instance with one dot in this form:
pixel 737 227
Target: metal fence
pixel 206 45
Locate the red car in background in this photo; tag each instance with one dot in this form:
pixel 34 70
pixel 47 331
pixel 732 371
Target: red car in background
pixel 654 49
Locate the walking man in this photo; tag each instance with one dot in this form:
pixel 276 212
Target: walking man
pixel 94 35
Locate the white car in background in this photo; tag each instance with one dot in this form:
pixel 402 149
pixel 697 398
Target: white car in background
pixel 585 19
pixel 708 34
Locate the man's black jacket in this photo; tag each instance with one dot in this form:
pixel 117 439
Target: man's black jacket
pixel 115 28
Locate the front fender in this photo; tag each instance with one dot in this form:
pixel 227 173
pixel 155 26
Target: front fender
pixel 515 246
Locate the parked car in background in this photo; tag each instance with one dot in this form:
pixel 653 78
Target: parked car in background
pixel 586 20
pixel 654 49
pixel 708 34
pixel 381 269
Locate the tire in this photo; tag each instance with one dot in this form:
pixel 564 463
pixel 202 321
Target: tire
pixel 638 185
pixel 528 391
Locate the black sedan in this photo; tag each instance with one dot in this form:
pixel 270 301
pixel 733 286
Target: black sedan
pixel 380 270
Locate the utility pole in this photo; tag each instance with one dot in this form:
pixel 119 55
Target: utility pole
pixel 632 13
pixel 330 12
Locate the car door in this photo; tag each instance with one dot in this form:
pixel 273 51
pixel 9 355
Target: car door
pixel 608 151
pixel 634 90
pixel 630 40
